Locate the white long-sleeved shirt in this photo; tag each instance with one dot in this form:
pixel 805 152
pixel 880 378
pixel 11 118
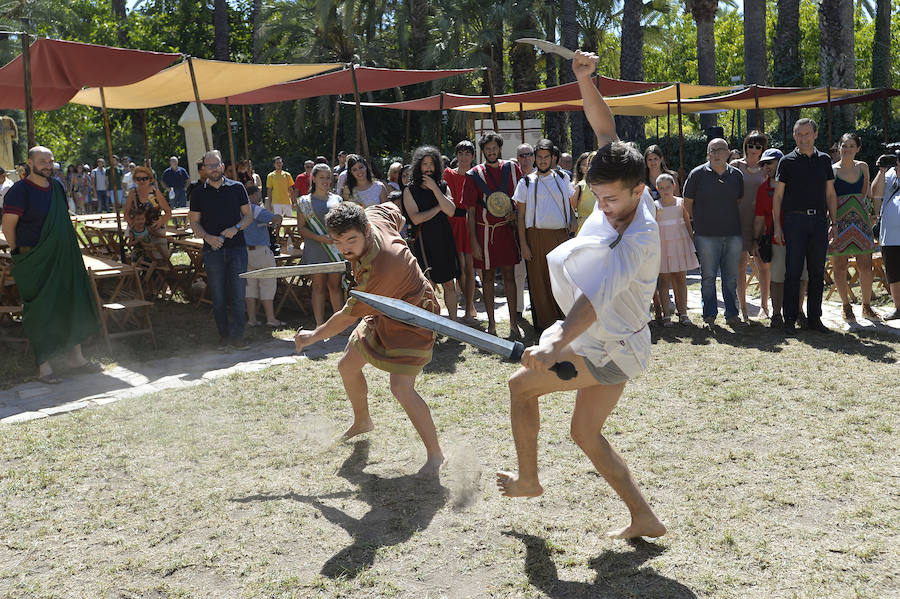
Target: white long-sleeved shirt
pixel 619 281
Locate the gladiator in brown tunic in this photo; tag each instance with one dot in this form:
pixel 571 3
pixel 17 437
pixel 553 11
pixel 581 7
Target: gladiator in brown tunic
pixel 382 264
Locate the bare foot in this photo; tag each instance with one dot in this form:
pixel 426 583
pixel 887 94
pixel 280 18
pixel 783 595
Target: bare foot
pixel 643 527
pixel 492 329
pixel 510 486
pixel 357 428
pixel 431 469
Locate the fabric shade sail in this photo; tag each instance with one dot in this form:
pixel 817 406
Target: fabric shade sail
pixel 59 69
pixel 215 79
pixel 567 93
pixel 368 79
pixel 885 92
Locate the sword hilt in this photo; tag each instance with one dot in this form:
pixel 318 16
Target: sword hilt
pixel 564 370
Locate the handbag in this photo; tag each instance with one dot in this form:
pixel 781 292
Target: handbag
pixel 765 247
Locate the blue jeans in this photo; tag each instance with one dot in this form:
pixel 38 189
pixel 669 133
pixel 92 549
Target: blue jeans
pixel 180 200
pixel 805 238
pixel 102 200
pixel 719 254
pixel 117 196
pixel 226 288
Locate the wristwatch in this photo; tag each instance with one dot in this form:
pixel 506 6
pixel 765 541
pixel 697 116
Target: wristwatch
pixel 237 227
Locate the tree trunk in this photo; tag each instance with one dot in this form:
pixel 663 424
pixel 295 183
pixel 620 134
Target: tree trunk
pixel 704 13
pixel 555 122
pixel 755 58
pixel 837 64
pixel 221 41
pixel 881 57
pixel 254 127
pixel 523 57
pixel 118 8
pixel 631 64
pixel 418 32
pixel 570 41
pixel 788 70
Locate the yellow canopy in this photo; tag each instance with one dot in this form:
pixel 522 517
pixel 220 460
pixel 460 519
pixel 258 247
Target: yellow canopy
pixel 215 79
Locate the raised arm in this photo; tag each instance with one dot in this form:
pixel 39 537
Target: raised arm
pixel 595 108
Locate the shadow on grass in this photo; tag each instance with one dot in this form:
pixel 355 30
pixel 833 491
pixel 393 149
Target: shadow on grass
pixel 446 355
pixel 618 574
pixel 400 507
pixel 756 335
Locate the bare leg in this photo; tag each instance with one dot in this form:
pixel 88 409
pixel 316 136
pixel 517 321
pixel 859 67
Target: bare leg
pixel 840 278
pixel 509 289
pixel 251 311
pixel 403 388
pixel 467 283
pixel 269 308
pixel 450 298
pixel 895 295
pixel 335 293
pixel 487 290
pixel 765 278
pixel 866 277
pixel 742 285
pixel 592 406
pixel 679 286
pixel 45 369
pixel 662 287
pixel 778 297
pixel 350 366
pixel 318 298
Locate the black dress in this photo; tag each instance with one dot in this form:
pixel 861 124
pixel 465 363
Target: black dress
pixel 433 244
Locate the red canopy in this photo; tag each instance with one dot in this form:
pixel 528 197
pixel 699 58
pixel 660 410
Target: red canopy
pixel 368 79
pixel 59 69
pixel 560 93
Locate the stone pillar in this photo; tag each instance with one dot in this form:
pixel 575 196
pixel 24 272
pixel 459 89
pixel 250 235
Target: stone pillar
pixel 193 136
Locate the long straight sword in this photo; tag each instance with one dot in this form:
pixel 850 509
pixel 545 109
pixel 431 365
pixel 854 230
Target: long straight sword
pixel 416 316
pixel 278 272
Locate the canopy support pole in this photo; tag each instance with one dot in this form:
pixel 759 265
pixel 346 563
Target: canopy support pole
pixel 680 135
pixel 199 106
pixel 244 123
pixel 406 141
pixel 334 129
pixel 657 128
pixel 230 138
pixel 441 125
pixel 522 122
pixel 884 114
pixel 359 117
pixel 490 79
pixel 784 125
pixel 829 116
pixel 29 107
pixel 146 139
pixel 113 184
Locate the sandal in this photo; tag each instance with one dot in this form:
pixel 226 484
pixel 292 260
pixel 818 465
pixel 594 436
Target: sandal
pixel 869 313
pixel 50 379
pixel 89 367
pixel 848 313
pixel 684 319
pixel 667 321
pixel 277 323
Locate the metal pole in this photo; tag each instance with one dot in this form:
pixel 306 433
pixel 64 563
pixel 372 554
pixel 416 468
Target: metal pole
pixel 334 130
pixel 113 184
pixel 244 124
pixel 230 139
pixel 199 105
pixel 359 117
pixel 406 142
pixel 830 137
pixel 756 114
pixel 441 125
pixel 146 139
pixel 29 108
pixel 522 122
pixel 490 79
pixel 668 133
pixel 680 135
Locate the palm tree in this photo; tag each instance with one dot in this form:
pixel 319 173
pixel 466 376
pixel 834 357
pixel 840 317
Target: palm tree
pixel 631 63
pixel 881 56
pixel 569 26
pixel 837 65
pixel 523 57
pixel 118 8
pixel 704 13
pixel 221 38
pixel 788 69
pixel 755 60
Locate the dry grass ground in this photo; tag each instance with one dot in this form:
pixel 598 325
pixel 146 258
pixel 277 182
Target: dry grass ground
pixel 772 462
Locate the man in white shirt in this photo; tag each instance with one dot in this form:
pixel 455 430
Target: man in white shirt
pixel 603 280
pixel 128 178
pixel 545 220
pixel 5 184
pixel 101 186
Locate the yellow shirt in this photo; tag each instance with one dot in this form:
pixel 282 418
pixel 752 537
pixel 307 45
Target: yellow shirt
pixel 280 185
pixel 586 202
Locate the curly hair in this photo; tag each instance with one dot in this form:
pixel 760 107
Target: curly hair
pixel 417 158
pixel 346 216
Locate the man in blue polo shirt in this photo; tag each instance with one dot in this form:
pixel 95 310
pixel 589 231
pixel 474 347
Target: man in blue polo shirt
pixel 219 212
pixel 175 180
pixel 804 192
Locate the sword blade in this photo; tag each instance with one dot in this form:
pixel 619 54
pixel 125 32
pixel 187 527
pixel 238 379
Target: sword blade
pixel 416 316
pixel 548 47
pixel 277 272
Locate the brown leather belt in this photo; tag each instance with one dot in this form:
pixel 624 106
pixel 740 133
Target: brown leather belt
pixel 254 247
pixel 23 249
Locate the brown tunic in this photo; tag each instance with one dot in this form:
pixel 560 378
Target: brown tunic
pixel 391 270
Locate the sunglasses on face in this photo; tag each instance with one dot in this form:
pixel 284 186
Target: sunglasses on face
pixel 526 155
pixel 142 178
pixel 755 147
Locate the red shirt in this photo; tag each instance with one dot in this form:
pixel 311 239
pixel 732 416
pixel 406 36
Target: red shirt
pixel 764 195
pixel 302 184
pixel 457 185
pixel 472 193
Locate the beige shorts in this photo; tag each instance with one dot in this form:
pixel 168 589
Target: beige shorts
pixel 260 257
pixel 283 209
pixel 777 267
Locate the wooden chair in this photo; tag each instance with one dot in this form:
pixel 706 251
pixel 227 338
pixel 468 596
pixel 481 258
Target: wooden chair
pixel 124 309
pixel 10 309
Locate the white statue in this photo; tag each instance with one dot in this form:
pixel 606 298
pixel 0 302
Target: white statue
pixel 8 134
